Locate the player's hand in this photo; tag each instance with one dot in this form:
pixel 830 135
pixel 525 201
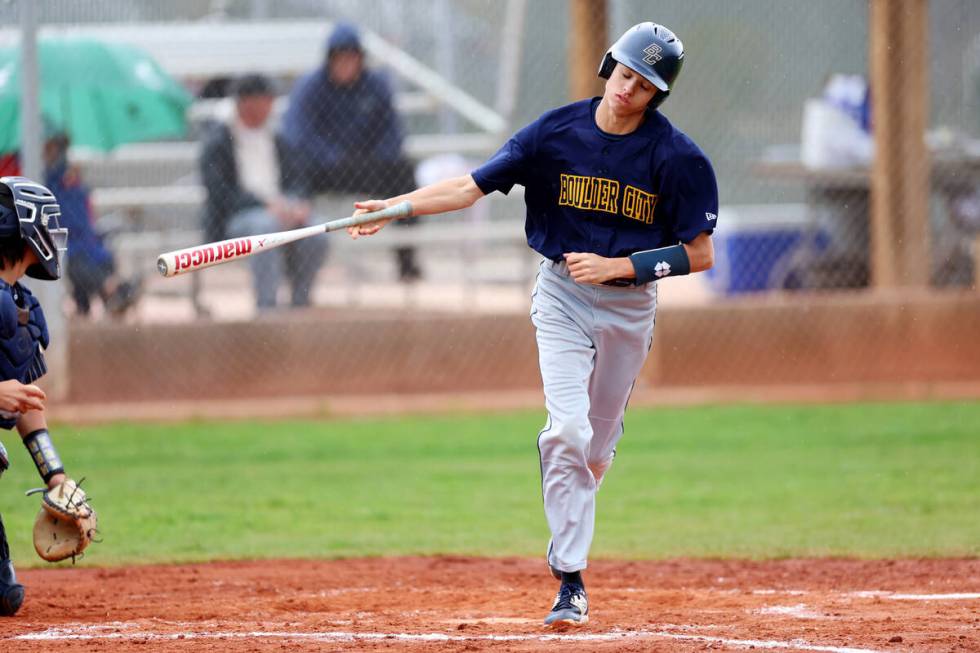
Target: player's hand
pixel 57 480
pixel 301 211
pixel 370 228
pixel 280 208
pixel 595 269
pixel 15 397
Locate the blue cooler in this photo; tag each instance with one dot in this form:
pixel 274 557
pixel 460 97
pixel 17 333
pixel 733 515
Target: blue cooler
pixel 754 243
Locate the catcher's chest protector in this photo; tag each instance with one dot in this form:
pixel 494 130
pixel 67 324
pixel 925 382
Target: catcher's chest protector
pixel 23 332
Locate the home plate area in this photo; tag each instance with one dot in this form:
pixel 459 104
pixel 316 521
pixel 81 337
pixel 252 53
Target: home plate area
pixel 474 604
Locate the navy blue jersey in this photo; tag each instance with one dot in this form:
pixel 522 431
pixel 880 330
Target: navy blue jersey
pixel 606 194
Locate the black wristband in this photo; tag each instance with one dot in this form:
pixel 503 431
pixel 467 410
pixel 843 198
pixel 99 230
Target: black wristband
pixel 46 458
pixel 658 263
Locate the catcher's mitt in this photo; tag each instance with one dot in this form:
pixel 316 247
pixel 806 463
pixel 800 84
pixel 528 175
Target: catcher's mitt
pixel 66 523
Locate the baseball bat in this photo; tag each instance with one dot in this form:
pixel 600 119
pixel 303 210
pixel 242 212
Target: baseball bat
pixel 190 259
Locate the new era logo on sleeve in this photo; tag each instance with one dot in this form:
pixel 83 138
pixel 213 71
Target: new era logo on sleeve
pixel 710 216
pixel 662 269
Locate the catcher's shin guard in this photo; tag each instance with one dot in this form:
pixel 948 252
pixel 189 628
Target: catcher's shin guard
pixel 11 592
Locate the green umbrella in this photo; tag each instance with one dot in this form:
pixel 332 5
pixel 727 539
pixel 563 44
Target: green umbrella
pixel 100 94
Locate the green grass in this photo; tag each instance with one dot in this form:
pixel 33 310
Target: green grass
pixel 878 480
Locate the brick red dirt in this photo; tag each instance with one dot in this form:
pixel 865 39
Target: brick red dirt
pixel 475 604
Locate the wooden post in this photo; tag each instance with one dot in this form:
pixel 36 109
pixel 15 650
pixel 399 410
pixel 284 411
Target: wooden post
pixel 899 56
pixel 589 42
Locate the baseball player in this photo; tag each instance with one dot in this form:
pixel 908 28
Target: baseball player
pixel 617 199
pixel 30 242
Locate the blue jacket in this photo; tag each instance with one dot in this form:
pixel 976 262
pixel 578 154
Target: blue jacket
pixel 76 213
pixel 328 123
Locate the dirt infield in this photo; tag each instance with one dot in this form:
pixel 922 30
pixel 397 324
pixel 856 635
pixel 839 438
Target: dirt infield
pixel 473 604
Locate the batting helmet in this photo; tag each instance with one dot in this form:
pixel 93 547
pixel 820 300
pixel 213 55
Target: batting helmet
pixel 31 211
pixel 651 50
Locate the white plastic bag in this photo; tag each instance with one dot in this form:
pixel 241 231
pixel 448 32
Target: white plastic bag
pixel 831 138
pixel 836 129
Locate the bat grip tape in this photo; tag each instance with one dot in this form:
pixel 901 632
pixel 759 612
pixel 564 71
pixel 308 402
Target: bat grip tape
pixel 45 456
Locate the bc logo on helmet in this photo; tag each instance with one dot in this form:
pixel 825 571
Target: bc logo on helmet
pixel 653 52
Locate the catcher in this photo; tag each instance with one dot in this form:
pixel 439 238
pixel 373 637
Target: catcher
pixel 30 242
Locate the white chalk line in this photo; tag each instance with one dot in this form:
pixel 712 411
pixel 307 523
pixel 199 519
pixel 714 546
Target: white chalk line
pixel 861 594
pixel 897 596
pixel 879 594
pixel 803 611
pixel 83 632
pixel 800 611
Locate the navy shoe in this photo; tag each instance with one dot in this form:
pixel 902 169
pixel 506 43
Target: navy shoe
pixel 11 592
pixel 571 607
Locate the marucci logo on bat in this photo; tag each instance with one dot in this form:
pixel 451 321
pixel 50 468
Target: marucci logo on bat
pixel 212 253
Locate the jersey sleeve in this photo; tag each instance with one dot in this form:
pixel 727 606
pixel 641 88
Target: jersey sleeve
pixel 510 165
pixel 695 190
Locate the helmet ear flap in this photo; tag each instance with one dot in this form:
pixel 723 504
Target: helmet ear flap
pixel 607 66
pixel 658 99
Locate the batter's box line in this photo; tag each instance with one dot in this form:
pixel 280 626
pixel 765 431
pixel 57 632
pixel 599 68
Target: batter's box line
pixel 860 594
pixel 902 596
pixel 94 633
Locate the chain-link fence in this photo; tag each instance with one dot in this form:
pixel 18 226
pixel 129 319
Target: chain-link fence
pixel 295 108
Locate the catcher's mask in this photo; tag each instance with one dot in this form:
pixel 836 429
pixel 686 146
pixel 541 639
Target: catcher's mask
pixel 652 51
pixel 31 211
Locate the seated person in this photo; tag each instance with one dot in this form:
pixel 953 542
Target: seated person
pixel 342 121
pixel 90 265
pixel 253 188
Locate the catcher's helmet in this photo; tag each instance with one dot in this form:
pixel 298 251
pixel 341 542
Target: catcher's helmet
pixel 651 50
pixel 31 211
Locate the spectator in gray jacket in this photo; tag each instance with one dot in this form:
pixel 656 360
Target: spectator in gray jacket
pixel 253 187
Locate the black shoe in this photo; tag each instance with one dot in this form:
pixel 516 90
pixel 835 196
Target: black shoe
pixel 125 296
pixel 571 607
pixel 408 268
pixel 11 592
pixel 410 273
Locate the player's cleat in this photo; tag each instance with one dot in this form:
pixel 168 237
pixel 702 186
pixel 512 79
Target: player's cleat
pixel 11 592
pixel 571 607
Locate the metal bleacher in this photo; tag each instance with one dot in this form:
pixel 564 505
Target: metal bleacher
pixel 149 194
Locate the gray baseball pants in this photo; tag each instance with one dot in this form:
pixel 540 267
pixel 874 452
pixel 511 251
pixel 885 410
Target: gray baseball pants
pixel 592 341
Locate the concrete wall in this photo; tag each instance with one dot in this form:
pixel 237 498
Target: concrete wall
pixel 833 339
pixel 850 338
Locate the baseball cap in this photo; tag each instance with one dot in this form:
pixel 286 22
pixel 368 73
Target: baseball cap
pixel 253 84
